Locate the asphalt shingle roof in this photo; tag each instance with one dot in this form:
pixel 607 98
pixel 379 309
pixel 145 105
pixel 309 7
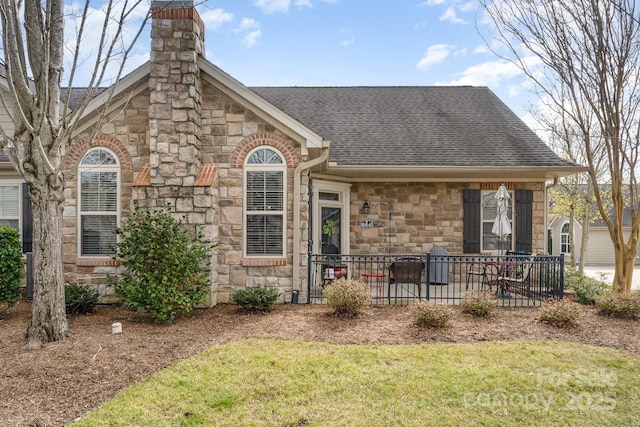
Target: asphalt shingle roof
pixel 414 126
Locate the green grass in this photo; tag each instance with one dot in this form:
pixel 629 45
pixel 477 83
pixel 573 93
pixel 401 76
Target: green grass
pixel 291 383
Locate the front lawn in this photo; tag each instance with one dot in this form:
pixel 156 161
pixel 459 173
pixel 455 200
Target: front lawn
pixel 292 383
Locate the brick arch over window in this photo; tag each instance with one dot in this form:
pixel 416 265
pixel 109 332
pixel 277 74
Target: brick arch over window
pixel 262 139
pixel 80 148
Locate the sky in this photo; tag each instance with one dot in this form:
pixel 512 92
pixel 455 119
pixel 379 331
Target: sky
pixel 344 43
pixel 357 43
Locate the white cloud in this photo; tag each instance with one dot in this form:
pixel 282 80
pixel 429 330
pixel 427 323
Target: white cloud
pixel 345 43
pixel 251 38
pixel 347 37
pixel 482 48
pixel 303 3
pixel 491 73
pixel 451 16
pixel 248 24
pixel 467 7
pixel 435 54
pixel 272 6
pixel 251 28
pixel 429 3
pixel 269 7
pixel 214 18
pixel 452 9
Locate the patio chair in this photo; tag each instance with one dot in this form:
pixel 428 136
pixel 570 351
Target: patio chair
pixel 482 272
pixel 516 279
pixel 406 271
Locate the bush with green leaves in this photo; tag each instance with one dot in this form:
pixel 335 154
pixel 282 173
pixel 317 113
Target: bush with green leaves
pixel 347 297
pixel 256 298
pixel 166 264
pixel 561 314
pixel 80 299
pixel 11 265
pixel 619 304
pixel 478 303
pixel 431 315
pixel 585 288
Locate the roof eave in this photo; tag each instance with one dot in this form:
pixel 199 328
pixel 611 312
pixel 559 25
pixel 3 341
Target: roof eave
pixel 450 173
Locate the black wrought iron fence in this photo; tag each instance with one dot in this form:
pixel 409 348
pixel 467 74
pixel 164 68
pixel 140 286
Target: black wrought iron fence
pixel 515 280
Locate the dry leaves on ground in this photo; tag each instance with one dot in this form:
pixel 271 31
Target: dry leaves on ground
pixel 65 380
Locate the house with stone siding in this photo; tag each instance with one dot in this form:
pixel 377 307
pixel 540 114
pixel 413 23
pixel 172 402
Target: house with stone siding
pixel 273 173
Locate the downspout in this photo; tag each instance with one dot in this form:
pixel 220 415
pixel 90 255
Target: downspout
pixel 297 177
pixel 546 215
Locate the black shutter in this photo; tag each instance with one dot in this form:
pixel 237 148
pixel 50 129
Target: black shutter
pixel 27 221
pixel 472 224
pixel 524 220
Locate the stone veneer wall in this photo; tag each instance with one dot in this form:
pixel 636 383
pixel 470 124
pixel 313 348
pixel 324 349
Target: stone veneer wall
pixel 228 129
pixel 218 209
pixel 125 134
pixel 423 215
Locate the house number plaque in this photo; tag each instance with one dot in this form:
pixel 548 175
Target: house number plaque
pixel 366 223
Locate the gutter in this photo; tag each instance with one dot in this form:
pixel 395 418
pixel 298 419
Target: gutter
pixel 297 177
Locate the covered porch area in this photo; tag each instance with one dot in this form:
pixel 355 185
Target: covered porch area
pixel 514 279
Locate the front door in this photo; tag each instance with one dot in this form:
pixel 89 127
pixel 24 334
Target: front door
pixel 331 230
pixel 331 218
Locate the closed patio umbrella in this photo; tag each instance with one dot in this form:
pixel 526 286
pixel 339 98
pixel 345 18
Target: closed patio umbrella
pixel 501 225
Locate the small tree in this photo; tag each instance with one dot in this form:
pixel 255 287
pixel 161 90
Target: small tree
pixel 582 57
pixel 166 264
pixel 11 267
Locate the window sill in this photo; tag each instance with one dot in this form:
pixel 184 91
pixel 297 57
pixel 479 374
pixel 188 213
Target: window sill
pixel 264 262
pixel 97 262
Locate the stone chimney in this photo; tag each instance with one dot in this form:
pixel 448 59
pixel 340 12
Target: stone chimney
pixel 177 36
pixel 176 176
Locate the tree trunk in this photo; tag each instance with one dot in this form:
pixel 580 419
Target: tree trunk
pixel 48 318
pixel 572 245
pixel 586 217
pixel 624 270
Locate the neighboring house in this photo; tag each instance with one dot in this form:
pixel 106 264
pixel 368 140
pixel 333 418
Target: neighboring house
pixel 559 237
pixel 15 208
pixel 261 170
pixel 599 249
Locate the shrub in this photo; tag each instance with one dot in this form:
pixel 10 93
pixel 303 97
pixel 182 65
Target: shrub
pixel 165 264
pixel 11 266
pixel 618 304
pixel 561 314
pixel 346 296
pixel 586 289
pixel 256 298
pixel 80 299
pixel 478 303
pixel 431 315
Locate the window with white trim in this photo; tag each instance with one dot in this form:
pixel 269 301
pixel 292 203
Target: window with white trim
pixel 265 175
pixel 490 241
pixel 10 205
pixel 565 248
pixel 99 188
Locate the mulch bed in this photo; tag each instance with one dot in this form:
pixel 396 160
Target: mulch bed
pixel 65 380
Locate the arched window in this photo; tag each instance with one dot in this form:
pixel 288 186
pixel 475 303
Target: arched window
pixel 565 248
pixel 265 174
pixel 98 201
